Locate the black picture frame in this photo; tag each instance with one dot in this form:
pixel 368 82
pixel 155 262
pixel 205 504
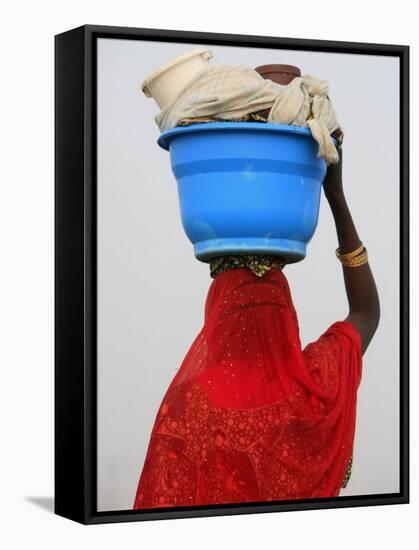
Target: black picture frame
pixel 76 271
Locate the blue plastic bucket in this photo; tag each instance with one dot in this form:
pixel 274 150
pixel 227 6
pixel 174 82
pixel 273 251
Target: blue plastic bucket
pixel 246 187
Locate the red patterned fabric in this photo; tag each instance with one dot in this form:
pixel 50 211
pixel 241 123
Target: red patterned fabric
pixel 251 416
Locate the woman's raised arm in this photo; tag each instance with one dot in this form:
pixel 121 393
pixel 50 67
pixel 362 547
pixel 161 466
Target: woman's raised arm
pixel 364 305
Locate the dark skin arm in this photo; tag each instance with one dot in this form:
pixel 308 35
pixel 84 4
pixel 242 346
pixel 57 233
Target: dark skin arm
pixel 361 291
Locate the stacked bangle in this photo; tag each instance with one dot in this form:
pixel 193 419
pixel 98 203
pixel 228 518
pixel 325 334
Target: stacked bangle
pixel 357 257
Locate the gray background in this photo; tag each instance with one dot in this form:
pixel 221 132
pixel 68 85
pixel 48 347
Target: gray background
pixel 151 290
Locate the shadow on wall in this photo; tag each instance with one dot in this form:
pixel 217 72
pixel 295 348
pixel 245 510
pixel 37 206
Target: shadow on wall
pixel 46 503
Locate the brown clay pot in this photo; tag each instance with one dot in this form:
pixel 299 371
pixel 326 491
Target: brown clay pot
pixel 281 74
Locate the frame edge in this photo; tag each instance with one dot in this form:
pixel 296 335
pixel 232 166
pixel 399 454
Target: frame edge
pixel 69 383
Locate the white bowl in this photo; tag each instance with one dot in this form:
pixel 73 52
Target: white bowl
pixel 165 84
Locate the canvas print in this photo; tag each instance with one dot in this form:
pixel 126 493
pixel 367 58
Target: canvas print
pixel 248 275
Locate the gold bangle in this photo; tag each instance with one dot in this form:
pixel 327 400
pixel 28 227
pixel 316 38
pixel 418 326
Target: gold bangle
pixel 361 259
pixel 349 254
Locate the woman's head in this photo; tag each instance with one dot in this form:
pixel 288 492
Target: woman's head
pixel 240 289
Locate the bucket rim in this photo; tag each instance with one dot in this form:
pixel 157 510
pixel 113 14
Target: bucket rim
pixel 167 136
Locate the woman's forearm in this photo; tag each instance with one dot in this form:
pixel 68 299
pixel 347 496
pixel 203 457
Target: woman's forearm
pixel 345 228
pixel 361 291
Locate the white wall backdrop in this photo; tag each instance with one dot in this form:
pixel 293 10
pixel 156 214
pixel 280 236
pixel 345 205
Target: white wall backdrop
pixel 152 290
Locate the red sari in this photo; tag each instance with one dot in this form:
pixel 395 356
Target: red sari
pixel 251 416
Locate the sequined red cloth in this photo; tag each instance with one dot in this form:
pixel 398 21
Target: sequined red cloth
pixel 251 416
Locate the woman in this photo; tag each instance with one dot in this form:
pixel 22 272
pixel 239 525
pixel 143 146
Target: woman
pixel 251 416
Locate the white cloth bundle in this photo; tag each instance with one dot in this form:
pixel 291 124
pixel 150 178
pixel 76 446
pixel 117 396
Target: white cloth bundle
pixel 227 92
